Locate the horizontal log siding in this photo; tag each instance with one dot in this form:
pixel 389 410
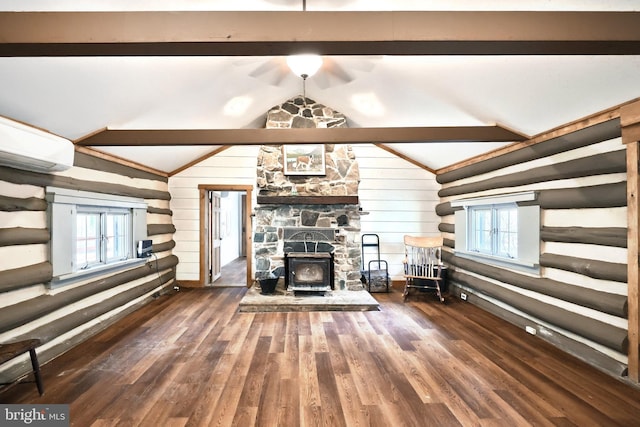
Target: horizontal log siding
pixel 43 180
pixel 83 160
pixel 398 198
pixel 599 164
pixel 597 269
pixel 29 309
pixel 589 177
pixel 612 236
pixel 582 138
pixel 23 236
pixel 595 330
pixel 22 277
pixel 14 204
pixel 165 246
pixel 609 303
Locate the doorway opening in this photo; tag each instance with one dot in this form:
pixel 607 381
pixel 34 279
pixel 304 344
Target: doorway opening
pixel 225 235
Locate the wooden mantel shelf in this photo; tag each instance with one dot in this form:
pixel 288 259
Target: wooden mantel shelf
pixel 308 200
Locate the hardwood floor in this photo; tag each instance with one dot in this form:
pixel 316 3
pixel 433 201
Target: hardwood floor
pixel 191 359
pixel 233 274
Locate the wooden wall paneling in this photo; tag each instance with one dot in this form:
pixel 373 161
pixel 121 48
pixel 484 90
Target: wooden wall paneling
pixel 608 335
pixel 89 161
pixel 24 312
pixel 447 228
pixel 161 247
pixel 605 236
pixel 23 236
pixel 532 150
pixel 51 330
pixel 23 277
pixel 598 164
pixel 60 326
pixel 17 176
pixel 16 204
pixel 234 166
pixel 155 229
pixel 602 301
pixel 160 211
pixel 587 267
pixel 593 196
pixel 78 321
pixel 563 341
pixel 600 135
pixel 449 243
pixel 445 209
pixel 630 121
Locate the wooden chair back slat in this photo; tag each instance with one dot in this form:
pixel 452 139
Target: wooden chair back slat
pixel 423 261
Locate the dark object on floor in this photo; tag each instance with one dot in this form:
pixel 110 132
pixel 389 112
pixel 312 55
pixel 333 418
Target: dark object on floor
pixel 268 286
pixel 14 349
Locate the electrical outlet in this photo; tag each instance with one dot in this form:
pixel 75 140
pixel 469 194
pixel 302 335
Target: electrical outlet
pixel 530 329
pixel 463 296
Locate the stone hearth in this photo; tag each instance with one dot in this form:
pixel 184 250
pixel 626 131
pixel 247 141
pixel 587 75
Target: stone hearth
pixel 282 301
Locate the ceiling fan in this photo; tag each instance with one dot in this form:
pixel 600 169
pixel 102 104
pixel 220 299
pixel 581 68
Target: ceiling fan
pixel 332 72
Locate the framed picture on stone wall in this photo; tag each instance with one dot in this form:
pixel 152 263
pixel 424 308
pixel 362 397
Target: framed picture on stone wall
pixel 304 159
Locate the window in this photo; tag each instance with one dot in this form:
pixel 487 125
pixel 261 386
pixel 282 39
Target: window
pixel 102 236
pixel 501 230
pixel 91 232
pixel 493 230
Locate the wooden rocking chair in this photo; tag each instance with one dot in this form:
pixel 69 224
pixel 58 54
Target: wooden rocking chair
pixel 423 264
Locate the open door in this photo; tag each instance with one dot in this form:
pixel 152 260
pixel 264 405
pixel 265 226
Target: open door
pixel 214 233
pixel 214 224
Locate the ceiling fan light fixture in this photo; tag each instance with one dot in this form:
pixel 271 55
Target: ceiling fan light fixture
pixel 305 65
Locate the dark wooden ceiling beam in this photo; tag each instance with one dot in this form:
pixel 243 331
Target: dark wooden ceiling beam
pixel 329 33
pixel 177 137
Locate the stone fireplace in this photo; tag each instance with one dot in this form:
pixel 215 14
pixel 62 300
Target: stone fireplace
pixel 315 217
pixel 308 272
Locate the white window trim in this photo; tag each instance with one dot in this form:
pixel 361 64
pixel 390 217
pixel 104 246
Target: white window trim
pixel 528 231
pixel 87 198
pixel 496 200
pixel 63 204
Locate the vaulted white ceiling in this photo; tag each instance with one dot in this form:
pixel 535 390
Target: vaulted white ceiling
pixel 76 96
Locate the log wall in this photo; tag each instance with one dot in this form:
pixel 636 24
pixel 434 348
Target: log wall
pixel 65 316
pixel 579 299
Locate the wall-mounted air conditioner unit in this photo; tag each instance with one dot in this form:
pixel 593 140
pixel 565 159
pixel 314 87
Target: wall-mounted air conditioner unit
pixel 29 148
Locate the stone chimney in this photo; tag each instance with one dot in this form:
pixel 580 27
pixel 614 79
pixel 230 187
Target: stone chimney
pixel 326 199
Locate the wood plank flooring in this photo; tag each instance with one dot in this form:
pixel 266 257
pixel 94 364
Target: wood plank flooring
pixel 233 274
pixel 191 359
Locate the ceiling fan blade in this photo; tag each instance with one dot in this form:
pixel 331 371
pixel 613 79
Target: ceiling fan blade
pixel 337 71
pixel 273 71
pixel 321 80
pixel 264 68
